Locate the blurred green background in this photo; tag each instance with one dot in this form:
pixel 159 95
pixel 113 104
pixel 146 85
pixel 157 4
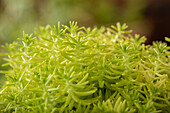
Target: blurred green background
pixel 17 16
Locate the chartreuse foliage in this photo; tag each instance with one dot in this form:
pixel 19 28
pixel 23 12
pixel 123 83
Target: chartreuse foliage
pixel 82 70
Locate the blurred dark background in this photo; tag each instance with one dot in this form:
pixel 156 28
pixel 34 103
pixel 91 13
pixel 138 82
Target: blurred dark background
pixel 146 17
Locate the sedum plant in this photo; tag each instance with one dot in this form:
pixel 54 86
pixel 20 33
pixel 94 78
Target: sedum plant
pixel 71 69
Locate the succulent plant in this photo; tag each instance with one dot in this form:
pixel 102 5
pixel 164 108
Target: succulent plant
pixel 74 69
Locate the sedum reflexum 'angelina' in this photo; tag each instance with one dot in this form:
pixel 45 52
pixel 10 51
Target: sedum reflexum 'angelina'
pixel 82 70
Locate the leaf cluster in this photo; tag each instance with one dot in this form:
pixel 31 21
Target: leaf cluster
pixel 74 69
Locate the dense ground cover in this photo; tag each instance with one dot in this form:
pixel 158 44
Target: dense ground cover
pixel 77 69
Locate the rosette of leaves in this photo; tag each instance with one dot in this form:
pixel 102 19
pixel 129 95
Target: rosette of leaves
pixel 74 69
